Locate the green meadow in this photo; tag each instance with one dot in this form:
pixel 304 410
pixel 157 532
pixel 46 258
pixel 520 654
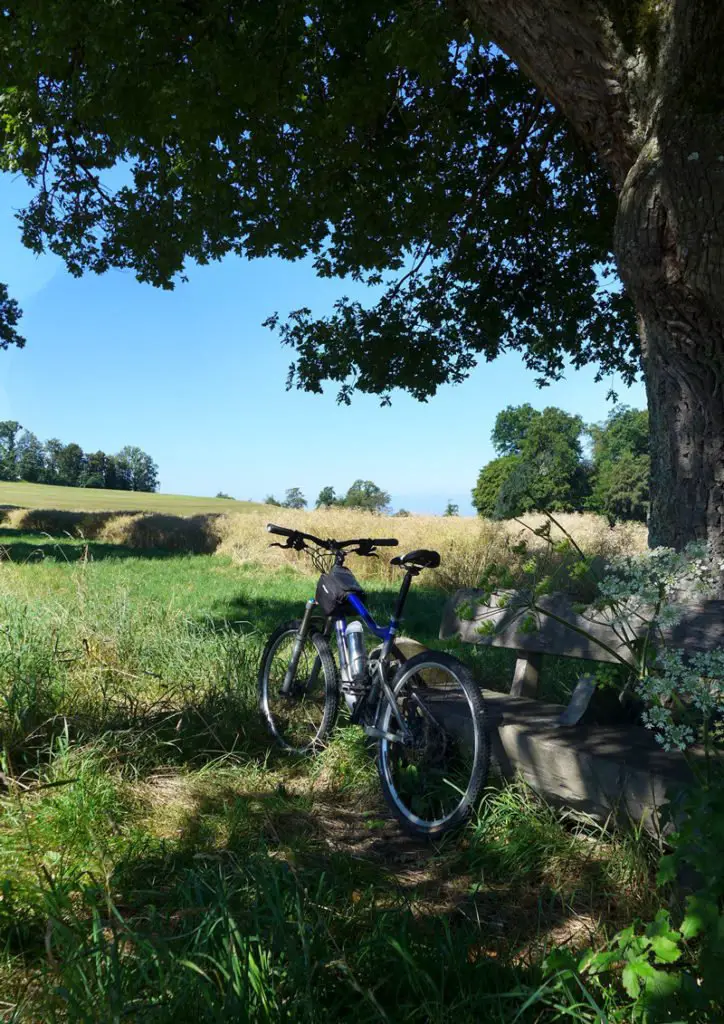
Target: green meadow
pixel 160 862
pixel 88 499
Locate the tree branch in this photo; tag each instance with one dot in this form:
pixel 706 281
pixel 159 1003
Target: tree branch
pixel 570 50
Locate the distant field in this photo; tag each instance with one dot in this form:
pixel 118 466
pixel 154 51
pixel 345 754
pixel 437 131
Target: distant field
pixel 91 499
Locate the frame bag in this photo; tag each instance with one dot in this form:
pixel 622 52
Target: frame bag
pixel 333 589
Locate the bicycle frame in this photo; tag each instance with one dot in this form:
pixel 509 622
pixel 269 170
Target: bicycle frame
pixel 387 635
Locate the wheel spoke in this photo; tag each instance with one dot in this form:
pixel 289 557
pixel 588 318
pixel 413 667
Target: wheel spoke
pixel 432 779
pixel 300 718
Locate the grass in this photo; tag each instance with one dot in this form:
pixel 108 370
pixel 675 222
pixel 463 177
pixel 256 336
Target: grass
pixel 468 545
pixel 161 863
pixel 48 496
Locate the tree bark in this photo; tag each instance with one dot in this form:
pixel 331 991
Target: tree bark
pixel 670 248
pixel 655 120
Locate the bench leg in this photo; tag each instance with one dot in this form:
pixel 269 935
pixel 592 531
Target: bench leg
pixel 525 676
pixel 580 699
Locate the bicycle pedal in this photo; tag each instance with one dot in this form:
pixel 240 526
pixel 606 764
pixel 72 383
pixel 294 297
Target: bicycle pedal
pixel 380 734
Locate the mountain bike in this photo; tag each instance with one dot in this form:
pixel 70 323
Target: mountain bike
pixel 426 712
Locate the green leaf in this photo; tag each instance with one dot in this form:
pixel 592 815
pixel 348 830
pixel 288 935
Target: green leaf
pixel 701 914
pixel 667 870
pixel 662 983
pixel 665 950
pixel 598 961
pixel 559 959
pixel 630 981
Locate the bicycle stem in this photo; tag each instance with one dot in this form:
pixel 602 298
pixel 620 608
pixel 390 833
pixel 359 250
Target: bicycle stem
pixel 298 645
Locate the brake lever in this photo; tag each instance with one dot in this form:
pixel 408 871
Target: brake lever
pixel 291 545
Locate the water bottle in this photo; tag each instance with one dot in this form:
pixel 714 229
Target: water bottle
pixel 356 650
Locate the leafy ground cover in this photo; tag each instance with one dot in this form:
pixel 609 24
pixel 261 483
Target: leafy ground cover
pixel 160 862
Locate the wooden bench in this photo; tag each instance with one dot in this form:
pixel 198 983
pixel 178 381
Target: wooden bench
pixel 601 770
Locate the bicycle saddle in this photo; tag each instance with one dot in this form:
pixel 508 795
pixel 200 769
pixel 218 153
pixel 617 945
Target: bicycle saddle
pixel 420 559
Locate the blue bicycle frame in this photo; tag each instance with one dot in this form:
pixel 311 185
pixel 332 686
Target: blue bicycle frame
pixel 384 633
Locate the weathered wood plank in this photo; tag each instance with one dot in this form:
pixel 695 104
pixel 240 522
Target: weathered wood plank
pixel 701 629
pixel 618 772
pixel 526 675
pixel 606 771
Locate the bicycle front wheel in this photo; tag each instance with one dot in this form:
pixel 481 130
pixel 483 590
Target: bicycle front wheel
pixel 300 720
pixel 432 778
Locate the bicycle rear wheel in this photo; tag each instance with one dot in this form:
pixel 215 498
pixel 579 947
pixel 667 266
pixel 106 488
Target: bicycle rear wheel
pixel 432 782
pixel 301 720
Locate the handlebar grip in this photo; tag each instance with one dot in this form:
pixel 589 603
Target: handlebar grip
pixel 389 543
pixel 280 530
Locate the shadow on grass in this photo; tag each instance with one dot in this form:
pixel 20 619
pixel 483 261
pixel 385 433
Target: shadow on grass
pixel 355 875
pixel 423 612
pixel 23 548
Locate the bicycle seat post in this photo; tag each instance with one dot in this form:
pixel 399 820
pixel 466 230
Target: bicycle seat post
pixel 402 596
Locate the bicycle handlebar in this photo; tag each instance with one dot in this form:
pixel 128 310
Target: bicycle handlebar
pixel 331 545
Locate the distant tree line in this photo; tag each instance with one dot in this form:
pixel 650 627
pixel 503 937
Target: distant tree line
pixel 24 457
pixel 542 464
pixel 362 494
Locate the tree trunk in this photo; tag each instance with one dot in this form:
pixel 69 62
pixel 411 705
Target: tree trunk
pixel 670 248
pixel 651 108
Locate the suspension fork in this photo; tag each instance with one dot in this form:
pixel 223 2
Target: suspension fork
pixel 298 646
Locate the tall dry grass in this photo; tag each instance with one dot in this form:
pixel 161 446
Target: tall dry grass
pixel 197 534
pixel 467 546
pixel 59 521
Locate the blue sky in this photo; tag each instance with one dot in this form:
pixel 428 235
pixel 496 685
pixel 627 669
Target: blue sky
pixel 193 378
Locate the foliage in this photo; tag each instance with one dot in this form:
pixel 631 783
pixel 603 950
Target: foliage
pixel 294 499
pixel 670 968
pixel 271 500
pixel 366 495
pixel 70 464
pixel 621 465
pixel 625 432
pixel 423 148
pixel 30 460
pixel 9 430
pixel 621 489
pixel 143 471
pixel 363 494
pixel 451 509
pixel 327 498
pixel 222 494
pixel 490 482
pixel 24 457
pixel 540 465
pixel 96 470
pixel 511 428
pixel 9 318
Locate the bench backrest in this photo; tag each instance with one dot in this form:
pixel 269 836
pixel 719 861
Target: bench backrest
pixel 700 629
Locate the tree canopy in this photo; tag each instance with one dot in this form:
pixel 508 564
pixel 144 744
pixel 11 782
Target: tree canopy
pixel 24 457
pixel 362 494
pixel 293 499
pixel 542 464
pixel 479 162
pixel 621 465
pixel 380 138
